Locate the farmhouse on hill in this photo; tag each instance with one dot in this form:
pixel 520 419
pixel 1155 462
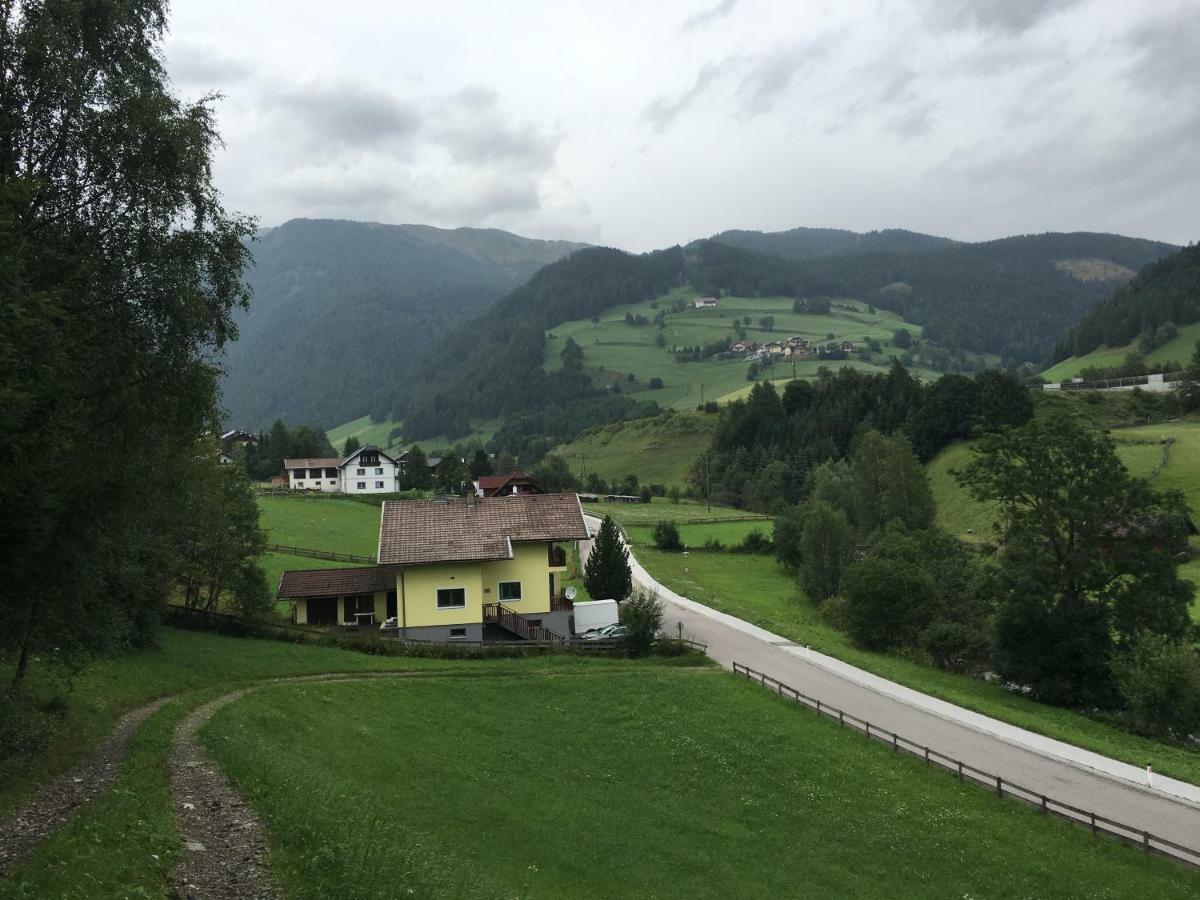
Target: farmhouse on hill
pixel 368 470
pixel 705 303
pixel 454 570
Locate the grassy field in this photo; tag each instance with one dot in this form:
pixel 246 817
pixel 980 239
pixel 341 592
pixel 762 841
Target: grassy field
pixel 658 508
pixel 757 589
pixel 341 526
pixel 654 783
pixel 659 450
pixel 694 536
pixel 612 350
pixel 123 843
pixel 379 434
pixel 1179 349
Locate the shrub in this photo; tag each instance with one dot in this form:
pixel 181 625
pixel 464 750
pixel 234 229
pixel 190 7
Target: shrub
pixel 713 544
pixel 666 536
pixel 754 542
pixel 1159 680
pixel 642 617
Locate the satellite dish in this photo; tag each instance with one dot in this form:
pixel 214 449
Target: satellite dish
pixel 570 593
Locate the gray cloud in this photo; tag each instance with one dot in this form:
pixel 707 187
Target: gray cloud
pixel 473 129
pixel 772 74
pixel 661 112
pixel 196 65
pixel 915 121
pixel 707 16
pixel 346 113
pixel 1167 53
pixel 1005 16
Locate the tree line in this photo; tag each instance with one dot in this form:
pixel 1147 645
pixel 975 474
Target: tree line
pixel 1078 602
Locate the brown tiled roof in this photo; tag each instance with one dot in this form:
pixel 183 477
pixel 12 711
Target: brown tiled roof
pixel 331 582
pixel 425 531
pixel 311 463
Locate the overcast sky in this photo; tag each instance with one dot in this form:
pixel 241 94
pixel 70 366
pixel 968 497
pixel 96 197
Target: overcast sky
pixel 644 124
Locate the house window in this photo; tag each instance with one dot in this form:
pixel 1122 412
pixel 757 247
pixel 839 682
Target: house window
pixel 362 485
pixel 379 471
pixel 331 473
pixel 361 472
pixel 314 473
pixel 379 484
pixel 299 484
pixel 451 598
pixel 458 634
pixel 509 591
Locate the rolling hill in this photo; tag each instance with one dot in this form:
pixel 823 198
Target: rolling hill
pixel 339 308
pixel 1163 296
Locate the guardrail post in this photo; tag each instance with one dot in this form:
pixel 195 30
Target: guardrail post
pixel 895 740
pixel 818 707
pixel 999 788
pixel 1043 803
pixel 841 718
pixel 960 775
pixel 1146 841
pixel 867 730
pixel 1093 815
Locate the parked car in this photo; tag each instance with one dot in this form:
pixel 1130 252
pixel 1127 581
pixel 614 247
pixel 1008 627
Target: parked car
pixel 608 632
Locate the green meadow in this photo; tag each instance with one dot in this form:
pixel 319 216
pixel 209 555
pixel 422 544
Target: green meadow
pixel 656 782
pixel 313 523
pixel 658 449
pixel 683 512
pixel 612 349
pixel 123 844
pixel 1179 349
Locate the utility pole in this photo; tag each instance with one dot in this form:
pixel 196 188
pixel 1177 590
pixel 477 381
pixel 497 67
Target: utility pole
pixel 701 393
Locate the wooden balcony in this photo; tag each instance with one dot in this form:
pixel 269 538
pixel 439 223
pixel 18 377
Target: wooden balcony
pixel 559 603
pixel 557 556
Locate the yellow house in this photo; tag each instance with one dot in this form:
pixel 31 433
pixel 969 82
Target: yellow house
pixel 462 569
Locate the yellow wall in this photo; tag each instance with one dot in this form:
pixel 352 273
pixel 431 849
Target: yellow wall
pixel 420 584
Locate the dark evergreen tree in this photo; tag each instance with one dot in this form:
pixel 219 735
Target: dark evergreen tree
pixel 607 575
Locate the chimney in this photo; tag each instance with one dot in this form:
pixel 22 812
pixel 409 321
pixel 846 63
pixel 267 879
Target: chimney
pixel 470 499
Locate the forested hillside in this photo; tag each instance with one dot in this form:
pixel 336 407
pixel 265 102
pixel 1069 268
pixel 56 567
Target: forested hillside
pixel 1007 297
pixel 339 308
pixel 810 243
pixel 1165 294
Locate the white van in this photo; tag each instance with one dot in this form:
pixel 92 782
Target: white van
pixel 593 614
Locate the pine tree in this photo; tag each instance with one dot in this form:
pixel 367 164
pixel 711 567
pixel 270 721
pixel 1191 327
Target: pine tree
pixel 607 575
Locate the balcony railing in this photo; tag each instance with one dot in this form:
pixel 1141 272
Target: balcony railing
pixel 559 603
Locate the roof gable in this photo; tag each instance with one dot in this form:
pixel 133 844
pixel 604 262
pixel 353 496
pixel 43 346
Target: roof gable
pixel 419 532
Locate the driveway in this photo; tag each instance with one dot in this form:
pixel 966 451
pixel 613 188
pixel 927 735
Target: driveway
pixel 1170 809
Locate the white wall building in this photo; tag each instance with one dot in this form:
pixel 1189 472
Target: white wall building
pixel 367 470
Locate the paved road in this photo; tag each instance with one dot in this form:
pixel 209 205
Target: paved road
pixel 730 639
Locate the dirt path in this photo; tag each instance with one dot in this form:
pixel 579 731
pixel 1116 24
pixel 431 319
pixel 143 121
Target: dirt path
pixel 224 842
pixel 60 798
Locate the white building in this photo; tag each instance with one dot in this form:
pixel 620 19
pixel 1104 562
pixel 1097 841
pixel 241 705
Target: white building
pixel 367 470
pixel 705 303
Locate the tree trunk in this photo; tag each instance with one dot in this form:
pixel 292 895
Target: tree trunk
pixel 23 656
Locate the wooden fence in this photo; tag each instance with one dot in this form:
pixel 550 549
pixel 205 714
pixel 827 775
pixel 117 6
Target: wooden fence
pixel 321 554
pixel 1098 824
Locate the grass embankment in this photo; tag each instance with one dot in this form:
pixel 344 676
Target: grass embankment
pixel 123 842
pixel 653 783
pixel 658 449
pixel 612 349
pixel 694 536
pixel 1179 350
pixel 759 590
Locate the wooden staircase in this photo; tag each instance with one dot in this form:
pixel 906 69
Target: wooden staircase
pixel 511 620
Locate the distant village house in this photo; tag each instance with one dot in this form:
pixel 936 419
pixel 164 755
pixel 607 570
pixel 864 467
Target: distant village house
pixel 705 303
pixel 367 470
